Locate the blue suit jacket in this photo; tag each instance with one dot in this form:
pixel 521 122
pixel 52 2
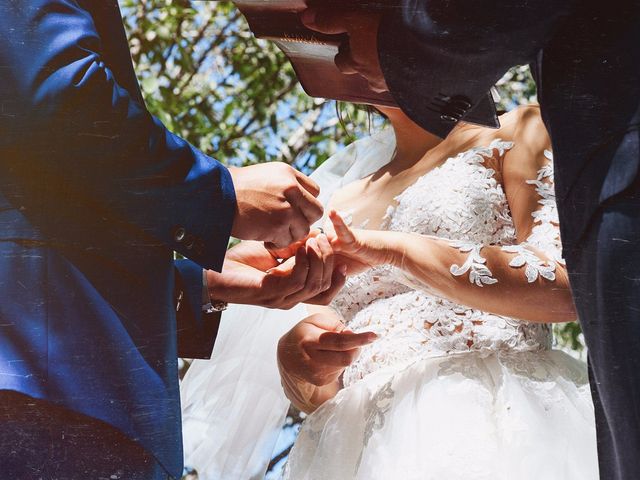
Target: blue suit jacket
pixel 95 195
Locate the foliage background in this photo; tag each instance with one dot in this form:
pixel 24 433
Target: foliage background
pixel 237 98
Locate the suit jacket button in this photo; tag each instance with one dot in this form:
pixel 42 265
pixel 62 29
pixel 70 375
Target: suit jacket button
pixel 461 102
pixel 449 118
pixel 189 242
pixel 179 234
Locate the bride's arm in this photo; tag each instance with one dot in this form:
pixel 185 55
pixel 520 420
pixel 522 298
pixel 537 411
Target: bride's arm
pixel 527 280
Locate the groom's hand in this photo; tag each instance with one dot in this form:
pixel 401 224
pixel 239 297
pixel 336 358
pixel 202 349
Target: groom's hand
pixel 360 55
pixel 275 203
pixel 252 276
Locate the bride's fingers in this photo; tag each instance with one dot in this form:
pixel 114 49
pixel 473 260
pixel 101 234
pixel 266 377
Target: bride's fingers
pixel 343 232
pixel 335 358
pixel 325 323
pixel 342 341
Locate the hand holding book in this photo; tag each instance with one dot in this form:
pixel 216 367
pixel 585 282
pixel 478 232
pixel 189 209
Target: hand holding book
pixel 322 47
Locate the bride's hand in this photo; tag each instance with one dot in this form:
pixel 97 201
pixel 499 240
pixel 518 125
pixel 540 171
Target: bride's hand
pixel 318 349
pixel 359 249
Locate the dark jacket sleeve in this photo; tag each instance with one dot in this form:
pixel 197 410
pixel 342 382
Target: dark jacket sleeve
pixel 196 330
pixel 441 57
pixel 66 112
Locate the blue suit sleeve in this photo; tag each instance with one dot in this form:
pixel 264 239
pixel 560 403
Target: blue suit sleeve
pixel 196 330
pixel 441 57
pixel 70 116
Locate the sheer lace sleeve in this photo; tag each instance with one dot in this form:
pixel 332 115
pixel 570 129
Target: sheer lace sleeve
pixel 523 279
pixel 528 178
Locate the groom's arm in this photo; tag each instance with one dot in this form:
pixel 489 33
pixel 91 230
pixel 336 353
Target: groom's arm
pixel 436 55
pixel 71 119
pixel 196 329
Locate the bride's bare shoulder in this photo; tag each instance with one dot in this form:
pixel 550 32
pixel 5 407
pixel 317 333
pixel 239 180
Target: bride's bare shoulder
pixel 524 124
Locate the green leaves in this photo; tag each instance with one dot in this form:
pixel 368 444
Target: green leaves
pixel 206 76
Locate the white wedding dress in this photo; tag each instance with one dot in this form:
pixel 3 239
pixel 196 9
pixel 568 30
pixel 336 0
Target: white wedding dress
pixel 449 392
pixel 446 393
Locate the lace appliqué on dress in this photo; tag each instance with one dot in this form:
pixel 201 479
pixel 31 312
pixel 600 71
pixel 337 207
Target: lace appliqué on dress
pixel 375 415
pixel 479 273
pixel 545 235
pixel 534 266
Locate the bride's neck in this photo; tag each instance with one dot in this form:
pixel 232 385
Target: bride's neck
pixel 412 142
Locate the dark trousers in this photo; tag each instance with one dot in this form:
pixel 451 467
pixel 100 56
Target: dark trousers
pixel 605 279
pixel 41 441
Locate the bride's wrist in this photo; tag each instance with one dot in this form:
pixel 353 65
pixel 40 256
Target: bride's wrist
pixel 396 248
pixel 298 391
pixel 380 246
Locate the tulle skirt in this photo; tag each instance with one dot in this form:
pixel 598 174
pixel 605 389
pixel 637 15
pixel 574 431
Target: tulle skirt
pixel 471 416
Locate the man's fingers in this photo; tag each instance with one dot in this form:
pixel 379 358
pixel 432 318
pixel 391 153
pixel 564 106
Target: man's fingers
pixel 290 250
pixel 283 238
pixel 306 203
pixel 290 280
pixel 338 280
pixel 313 280
pixel 299 228
pixel 316 266
pixel 307 183
pixel 325 21
pixel 327 261
pixel 343 341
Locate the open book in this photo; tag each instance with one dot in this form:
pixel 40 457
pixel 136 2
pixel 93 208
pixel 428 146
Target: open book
pixel 311 53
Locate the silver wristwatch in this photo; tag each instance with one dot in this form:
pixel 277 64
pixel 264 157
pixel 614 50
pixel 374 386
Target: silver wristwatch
pixel 210 305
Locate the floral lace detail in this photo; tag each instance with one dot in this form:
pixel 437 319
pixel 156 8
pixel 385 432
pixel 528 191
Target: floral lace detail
pixel 375 414
pixel 542 368
pixel 467 366
pixel 545 234
pixel 537 374
pixel 534 266
pixel 479 273
pixel 460 201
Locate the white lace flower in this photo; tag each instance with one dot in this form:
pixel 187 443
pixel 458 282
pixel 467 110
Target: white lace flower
pixel 534 266
pixel 479 273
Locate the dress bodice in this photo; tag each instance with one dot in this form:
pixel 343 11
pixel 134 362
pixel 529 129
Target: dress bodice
pixel 461 201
